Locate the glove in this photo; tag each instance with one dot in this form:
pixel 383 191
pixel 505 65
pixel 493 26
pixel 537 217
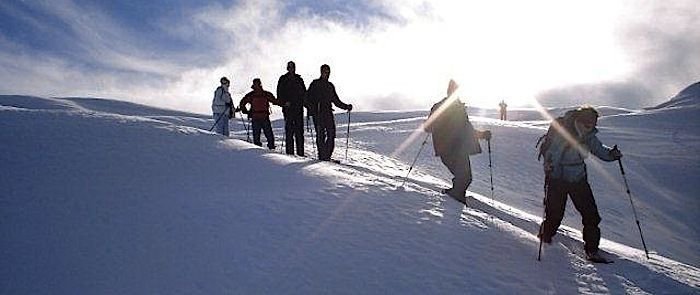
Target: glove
pixel 486 134
pixel 615 153
pixel 349 107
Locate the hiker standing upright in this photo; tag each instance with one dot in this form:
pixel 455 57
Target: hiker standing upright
pixel 568 142
pixel 222 107
pixel 290 93
pixel 259 112
pixel 320 100
pixel 454 140
pixel 504 113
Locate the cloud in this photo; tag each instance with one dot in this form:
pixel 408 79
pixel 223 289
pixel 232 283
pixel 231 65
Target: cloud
pixel 384 54
pixel 663 41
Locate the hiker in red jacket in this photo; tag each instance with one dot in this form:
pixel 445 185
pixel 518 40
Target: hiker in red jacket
pixel 259 112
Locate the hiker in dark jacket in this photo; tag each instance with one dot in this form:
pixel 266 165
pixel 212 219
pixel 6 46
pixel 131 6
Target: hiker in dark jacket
pixel 454 140
pixel 290 93
pixel 321 97
pixel 565 174
pixel 259 112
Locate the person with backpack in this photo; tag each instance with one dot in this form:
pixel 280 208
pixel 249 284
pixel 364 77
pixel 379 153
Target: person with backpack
pixel 259 112
pixel 454 140
pixel 568 142
pixel 222 107
pixel 321 97
pixel 290 92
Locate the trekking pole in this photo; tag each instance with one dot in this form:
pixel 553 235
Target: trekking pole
pixel 311 132
pixel 347 138
pixel 488 141
pixel 414 161
pixel 544 215
pixel 627 187
pixel 218 119
pixel 247 128
pixel 284 133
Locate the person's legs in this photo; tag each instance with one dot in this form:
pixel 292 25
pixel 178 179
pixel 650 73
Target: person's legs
pixel 583 200
pixel 288 134
pixel 321 140
pixel 256 132
pixel 219 128
pixel 330 138
pixel 267 129
pixel 554 205
pixel 298 132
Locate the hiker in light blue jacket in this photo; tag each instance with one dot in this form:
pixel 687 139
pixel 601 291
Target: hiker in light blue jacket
pixel 222 107
pixel 565 174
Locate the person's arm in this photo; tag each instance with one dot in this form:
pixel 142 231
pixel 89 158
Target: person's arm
pixel 603 152
pixel 311 100
pixel 244 101
pixel 336 100
pixel 217 95
pixel 280 87
pixel 271 98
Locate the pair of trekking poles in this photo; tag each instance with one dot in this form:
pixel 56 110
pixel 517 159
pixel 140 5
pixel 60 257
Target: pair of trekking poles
pixel 634 211
pixel 488 141
pixel 245 125
pixel 313 136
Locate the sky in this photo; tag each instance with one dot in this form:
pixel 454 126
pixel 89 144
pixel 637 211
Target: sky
pixel 384 54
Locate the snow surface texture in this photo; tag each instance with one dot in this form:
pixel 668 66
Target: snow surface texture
pixel 105 197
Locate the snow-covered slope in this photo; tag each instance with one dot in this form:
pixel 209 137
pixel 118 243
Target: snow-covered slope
pixel 102 197
pixel 688 97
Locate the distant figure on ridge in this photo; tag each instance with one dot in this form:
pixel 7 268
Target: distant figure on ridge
pixel 290 93
pixel 320 99
pixel 222 107
pixel 503 107
pixel 259 112
pixel 569 140
pixel 454 140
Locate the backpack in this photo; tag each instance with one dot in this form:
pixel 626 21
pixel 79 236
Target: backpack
pixel 545 141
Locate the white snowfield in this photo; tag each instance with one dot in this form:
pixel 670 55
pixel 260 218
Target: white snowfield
pixel 107 197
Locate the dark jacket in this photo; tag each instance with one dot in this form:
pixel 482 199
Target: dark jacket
pixel 291 89
pixel 321 97
pixel 451 129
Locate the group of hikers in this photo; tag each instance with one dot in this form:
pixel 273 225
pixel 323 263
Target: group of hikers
pixel 569 140
pixel 293 97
